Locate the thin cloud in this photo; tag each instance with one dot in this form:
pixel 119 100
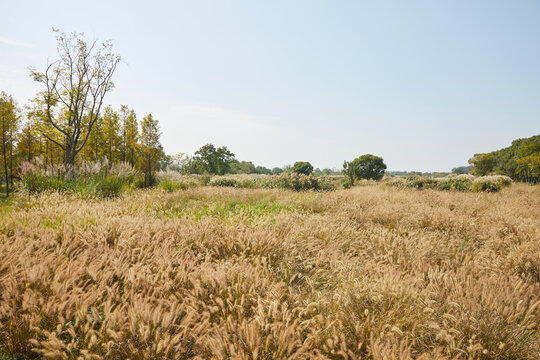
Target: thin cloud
pixel 7 41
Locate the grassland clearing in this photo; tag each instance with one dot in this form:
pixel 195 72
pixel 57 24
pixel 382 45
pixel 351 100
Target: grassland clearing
pixel 216 272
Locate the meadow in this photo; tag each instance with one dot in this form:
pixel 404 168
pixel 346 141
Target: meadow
pixel 216 272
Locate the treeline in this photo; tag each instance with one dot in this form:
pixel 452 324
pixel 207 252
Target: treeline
pixel 67 124
pixel 213 160
pixel 116 135
pixel 520 161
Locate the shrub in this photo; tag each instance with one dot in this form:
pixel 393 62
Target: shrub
pixel 224 181
pixel 299 182
pixel 169 185
pixel 110 186
pixel 456 184
pixel 170 180
pixel 345 182
pixel 422 183
pixel 485 185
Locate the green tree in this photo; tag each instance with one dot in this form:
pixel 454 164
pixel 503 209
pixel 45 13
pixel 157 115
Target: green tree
pixel 514 160
pixel 483 164
pixel 130 134
pixel 302 167
pixel 365 167
pixel 29 144
pixel 242 167
pixel 212 160
pixel 9 119
pixel 75 86
pixel 461 170
pixel 111 134
pixel 151 150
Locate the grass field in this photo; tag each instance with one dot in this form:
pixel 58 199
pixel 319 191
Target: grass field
pixel 371 272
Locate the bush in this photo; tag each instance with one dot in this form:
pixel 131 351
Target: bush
pixel 492 183
pixel 452 183
pixel 110 186
pixel 345 182
pixel 169 185
pixel 224 181
pixel 422 183
pixel 455 184
pixel 299 182
pixel 485 185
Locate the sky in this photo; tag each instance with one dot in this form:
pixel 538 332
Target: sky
pixel 424 84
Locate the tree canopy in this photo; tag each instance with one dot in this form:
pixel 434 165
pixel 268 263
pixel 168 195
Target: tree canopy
pixel 75 87
pixel 211 160
pixel 520 161
pixel 365 167
pixel 302 167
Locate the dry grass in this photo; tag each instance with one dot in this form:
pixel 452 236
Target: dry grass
pixel 370 272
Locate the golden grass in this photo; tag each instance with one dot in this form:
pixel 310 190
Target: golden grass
pixel 370 272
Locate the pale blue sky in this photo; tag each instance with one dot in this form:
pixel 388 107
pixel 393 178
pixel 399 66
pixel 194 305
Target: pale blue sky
pixel 424 84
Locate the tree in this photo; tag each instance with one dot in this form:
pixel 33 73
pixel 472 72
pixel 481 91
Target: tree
pixel 483 164
pixel 349 172
pixel 75 86
pixel 130 134
pixel 302 167
pixel 242 167
pixel 461 170
pixel 111 134
pixel 29 141
pixel 212 160
pixel 8 126
pixel 528 168
pixel 514 160
pixel 277 171
pixel 151 149
pixel 365 167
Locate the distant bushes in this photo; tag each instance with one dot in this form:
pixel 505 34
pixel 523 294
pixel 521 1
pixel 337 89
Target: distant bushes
pixel 90 179
pixel 452 183
pixel 300 182
pixel 292 181
pixel 171 180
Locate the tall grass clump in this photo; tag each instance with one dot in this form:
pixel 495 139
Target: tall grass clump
pixel 299 182
pixel 492 183
pixel 89 179
pixel 285 181
pixel 170 180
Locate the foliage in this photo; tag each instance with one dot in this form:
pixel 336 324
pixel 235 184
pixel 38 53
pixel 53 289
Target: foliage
pixel 9 122
pixel 75 87
pixel 211 160
pixel 91 179
pixel 461 170
pixel 520 161
pixel 367 166
pixel 151 150
pixel 223 181
pixel 218 273
pixel 302 167
pixel 452 183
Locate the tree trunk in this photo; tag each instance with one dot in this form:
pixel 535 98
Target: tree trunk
pixel 11 158
pixel 4 152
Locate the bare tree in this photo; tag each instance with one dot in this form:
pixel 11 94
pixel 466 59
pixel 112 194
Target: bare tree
pixel 76 85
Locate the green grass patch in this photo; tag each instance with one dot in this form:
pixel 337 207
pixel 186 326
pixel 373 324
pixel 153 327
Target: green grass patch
pixel 198 208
